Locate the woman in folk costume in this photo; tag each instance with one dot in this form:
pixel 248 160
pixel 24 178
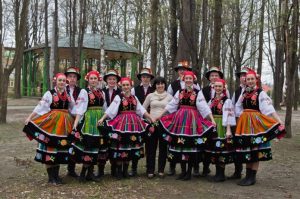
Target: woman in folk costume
pixel 50 123
pixel 221 149
pixel 125 128
pixel 185 128
pixel 89 143
pixel 111 91
pixel 255 127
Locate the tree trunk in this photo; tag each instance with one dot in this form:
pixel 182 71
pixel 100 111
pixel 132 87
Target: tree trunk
pixel 261 37
pixel 82 27
pixel 296 92
pixel 173 36
pixel 217 33
pixel 153 39
pixel 17 87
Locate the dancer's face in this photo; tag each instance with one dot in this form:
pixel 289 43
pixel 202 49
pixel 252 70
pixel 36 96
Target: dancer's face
pixel 145 79
pixel 251 80
pixel 160 87
pixel 219 87
pixel 72 79
pixel 111 81
pixel 188 80
pixel 243 79
pixel 213 76
pixel 61 82
pixel 93 80
pixel 180 72
pixel 126 87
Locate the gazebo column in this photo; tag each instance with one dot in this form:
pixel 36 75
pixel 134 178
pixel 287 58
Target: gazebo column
pixel 123 67
pixel 34 72
pixel 45 73
pixel 29 90
pixel 134 64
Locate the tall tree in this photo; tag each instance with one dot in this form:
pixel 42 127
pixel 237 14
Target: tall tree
pixel 154 30
pixel 20 41
pixel 261 37
pixel 217 32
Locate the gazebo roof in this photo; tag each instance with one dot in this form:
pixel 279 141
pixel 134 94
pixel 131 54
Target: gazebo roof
pixel 114 47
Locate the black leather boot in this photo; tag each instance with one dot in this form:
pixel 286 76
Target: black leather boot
pixel 188 174
pixel 206 169
pixel 83 174
pixel 238 168
pixel 71 170
pixel 196 170
pixel 50 173
pixel 183 171
pixel 90 174
pixel 119 172
pixel 125 170
pixel 245 181
pixel 220 174
pixel 134 165
pixel 100 170
pixel 58 180
pixel 172 170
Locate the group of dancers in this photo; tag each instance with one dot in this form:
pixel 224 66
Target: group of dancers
pixel 121 124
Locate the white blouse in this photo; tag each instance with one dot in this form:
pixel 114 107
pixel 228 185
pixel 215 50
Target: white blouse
pixel 228 117
pixel 113 108
pixel 265 104
pixel 157 102
pixel 43 106
pixel 201 104
pixel 81 104
pixel 182 84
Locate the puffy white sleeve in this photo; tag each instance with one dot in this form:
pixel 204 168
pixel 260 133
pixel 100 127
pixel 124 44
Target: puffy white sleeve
pixel 228 114
pixel 132 91
pixel 43 106
pixel 202 105
pixel 196 86
pixel 105 103
pixel 81 103
pixel 172 106
pixel 113 108
pixel 140 110
pixel 239 106
pixel 170 90
pixel 265 104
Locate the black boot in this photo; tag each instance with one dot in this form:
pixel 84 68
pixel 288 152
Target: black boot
pixel 100 170
pixel 119 173
pixel 125 170
pixel 245 181
pixel 113 169
pixel 134 165
pixel 206 169
pixel 50 172
pixel 238 168
pixel 58 180
pixel 188 174
pixel 220 174
pixel 90 174
pixel 82 174
pixel 183 171
pixel 172 170
pixel 71 170
pixel 196 170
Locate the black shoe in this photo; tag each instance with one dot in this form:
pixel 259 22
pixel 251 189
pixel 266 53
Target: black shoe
pixel 235 175
pixel 196 171
pixel 150 175
pixel 133 173
pixel 83 174
pixel 57 179
pixel 100 170
pixel 206 171
pixel 237 172
pixel 181 176
pixel 172 170
pixel 90 175
pixel 50 173
pixel 246 181
pixel 71 170
pixel 220 174
pixel 119 173
pixel 125 171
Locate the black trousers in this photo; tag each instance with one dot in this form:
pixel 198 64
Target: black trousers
pixel 151 146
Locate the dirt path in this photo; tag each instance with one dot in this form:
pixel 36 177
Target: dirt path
pixel 22 177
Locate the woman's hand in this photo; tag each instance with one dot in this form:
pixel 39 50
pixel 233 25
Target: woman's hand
pixel 100 122
pixel 214 123
pixel 228 134
pixel 27 120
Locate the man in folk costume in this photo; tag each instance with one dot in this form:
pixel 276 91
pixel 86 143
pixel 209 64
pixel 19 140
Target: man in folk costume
pixel 141 91
pixel 73 75
pixel 208 91
pixel 238 167
pixel 172 89
pixel 111 90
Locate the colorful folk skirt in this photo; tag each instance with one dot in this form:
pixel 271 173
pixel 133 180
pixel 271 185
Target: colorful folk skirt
pixel 126 134
pixel 51 130
pixel 90 145
pixel 254 128
pixel 51 155
pixel 220 150
pixel 253 134
pixel 187 133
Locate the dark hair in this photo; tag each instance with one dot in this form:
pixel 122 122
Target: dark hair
pixel 158 80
